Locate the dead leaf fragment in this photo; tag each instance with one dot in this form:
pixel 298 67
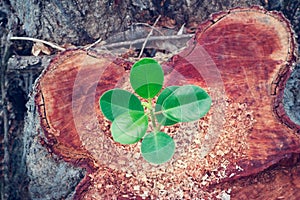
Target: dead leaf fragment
pixel 39 47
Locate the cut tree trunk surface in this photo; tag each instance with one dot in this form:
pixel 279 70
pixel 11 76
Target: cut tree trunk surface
pixel 248 53
pixel 242 57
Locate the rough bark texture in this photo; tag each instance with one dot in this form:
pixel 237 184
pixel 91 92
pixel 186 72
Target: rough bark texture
pixel 81 22
pixel 48 178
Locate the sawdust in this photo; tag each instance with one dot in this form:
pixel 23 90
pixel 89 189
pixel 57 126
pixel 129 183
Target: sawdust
pixel 124 173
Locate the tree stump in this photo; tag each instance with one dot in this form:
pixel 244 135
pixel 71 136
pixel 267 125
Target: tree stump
pixel 243 57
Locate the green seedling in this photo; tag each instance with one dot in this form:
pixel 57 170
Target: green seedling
pixel 130 116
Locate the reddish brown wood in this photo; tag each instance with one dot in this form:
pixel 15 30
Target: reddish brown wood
pixel 65 91
pixel 278 183
pixel 243 58
pixel 252 51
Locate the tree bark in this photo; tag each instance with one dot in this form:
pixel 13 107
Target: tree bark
pixel 81 22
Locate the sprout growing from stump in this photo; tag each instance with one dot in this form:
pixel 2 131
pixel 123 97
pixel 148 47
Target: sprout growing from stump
pixel 130 116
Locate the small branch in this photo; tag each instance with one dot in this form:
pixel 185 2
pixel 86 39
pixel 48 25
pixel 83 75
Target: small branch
pixel 38 40
pixel 151 38
pixel 146 40
pixel 93 44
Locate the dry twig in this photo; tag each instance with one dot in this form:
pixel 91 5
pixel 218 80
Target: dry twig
pixel 93 44
pixel 146 40
pixel 38 40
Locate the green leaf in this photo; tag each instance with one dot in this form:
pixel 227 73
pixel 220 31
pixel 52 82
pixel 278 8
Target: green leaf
pixel 187 103
pixel 117 101
pixel 146 77
pixel 162 119
pixel 129 127
pixel 157 148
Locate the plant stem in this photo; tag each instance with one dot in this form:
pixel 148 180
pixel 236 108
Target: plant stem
pixel 152 116
pixel 159 112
